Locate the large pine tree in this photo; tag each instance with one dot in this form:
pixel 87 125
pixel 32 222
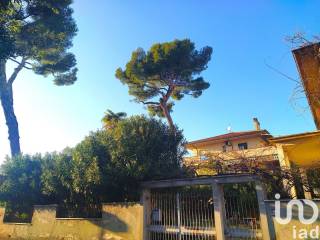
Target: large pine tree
pixel 167 72
pixel 35 35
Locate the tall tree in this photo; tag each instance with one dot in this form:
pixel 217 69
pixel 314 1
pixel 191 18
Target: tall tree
pixel 35 35
pixel 166 72
pixel 110 118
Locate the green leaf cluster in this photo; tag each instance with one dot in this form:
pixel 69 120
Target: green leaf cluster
pixel 41 32
pixel 21 186
pixel 110 119
pixel 166 71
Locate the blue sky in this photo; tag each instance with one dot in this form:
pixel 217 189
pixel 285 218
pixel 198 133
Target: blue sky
pixel 244 36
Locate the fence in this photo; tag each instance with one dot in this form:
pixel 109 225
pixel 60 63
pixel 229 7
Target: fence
pixel 192 209
pixel 189 208
pixel 221 207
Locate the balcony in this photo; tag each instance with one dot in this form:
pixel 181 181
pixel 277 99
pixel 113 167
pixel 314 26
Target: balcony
pixel 211 166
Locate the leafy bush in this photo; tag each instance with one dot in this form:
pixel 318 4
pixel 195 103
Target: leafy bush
pixel 141 149
pixel 108 165
pixel 21 186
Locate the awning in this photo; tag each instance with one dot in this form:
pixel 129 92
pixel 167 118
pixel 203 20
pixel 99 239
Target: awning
pixel 302 149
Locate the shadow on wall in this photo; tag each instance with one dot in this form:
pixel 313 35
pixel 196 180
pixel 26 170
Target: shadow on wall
pixel 118 222
pixel 112 223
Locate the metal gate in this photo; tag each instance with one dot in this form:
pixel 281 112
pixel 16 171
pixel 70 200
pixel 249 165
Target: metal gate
pixel 182 214
pixel 242 216
pixel 205 209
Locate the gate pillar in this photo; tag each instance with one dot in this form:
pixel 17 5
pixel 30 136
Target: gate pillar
pixel 146 201
pixel 219 210
pixel 264 221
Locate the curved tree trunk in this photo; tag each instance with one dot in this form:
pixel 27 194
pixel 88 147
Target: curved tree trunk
pixel 167 115
pixel 6 97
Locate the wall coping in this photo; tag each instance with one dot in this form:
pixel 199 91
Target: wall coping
pixel 122 203
pixel 16 223
pixel 47 205
pixel 79 219
pixel 205 180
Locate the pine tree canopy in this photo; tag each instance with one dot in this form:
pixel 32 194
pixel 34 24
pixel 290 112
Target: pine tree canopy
pixel 36 34
pixel 167 71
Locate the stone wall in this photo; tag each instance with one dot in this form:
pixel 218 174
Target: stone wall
pixel 118 222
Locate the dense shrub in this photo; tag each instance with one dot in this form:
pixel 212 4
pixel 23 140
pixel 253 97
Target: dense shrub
pixel 21 186
pixel 108 165
pixel 142 149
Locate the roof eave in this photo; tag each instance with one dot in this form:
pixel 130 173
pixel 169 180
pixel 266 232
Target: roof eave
pixel 209 140
pixel 288 138
pixel 296 54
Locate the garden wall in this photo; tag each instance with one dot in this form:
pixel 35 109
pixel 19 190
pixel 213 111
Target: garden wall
pixel 118 222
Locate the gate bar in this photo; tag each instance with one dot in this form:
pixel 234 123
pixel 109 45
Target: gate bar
pixel 222 179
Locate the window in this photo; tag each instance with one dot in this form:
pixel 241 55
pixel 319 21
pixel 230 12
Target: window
pixel 243 146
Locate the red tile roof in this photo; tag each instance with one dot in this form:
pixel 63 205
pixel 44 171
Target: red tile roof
pixel 264 134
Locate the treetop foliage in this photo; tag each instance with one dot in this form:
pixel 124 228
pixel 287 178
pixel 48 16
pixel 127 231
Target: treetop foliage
pixel 37 35
pixel 169 69
pixel 110 118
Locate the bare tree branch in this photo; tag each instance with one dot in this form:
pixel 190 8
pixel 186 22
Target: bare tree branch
pixel 14 60
pixel 281 73
pixel 157 89
pixel 263 164
pixel 16 71
pixel 153 103
pixel 299 39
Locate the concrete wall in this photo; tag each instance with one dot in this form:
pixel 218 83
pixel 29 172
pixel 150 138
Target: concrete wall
pixel 118 222
pixel 287 231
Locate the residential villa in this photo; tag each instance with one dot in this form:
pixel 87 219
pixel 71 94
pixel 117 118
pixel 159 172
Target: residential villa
pixel 301 150
pixel 232 144
pixel 233 147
